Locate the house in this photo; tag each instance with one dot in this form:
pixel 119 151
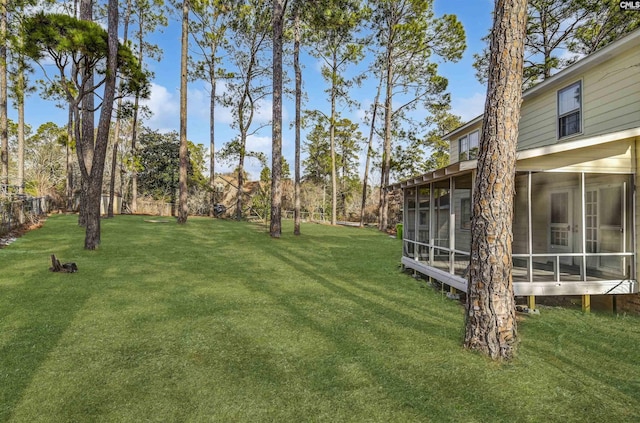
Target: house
pixel 575 228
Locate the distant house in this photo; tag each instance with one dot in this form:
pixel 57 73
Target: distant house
pixel 576 211
pixel 226 193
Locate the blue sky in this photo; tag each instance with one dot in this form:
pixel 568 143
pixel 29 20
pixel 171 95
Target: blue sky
pixel 466 93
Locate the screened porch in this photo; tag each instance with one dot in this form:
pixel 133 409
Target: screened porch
pixel 572 231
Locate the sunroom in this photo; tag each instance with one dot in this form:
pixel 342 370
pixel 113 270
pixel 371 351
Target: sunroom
pixel 573 228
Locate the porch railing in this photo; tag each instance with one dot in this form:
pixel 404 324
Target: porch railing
pixel 533 267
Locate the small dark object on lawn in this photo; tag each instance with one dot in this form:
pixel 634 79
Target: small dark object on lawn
pixel 65 268
pixel 219 209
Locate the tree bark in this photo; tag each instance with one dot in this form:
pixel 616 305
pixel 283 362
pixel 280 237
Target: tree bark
pixel 19 91
pixel 240 181
pixel 116 131
pixel 112 179
pixel 332 142
pixel 4 132
pixel 365 179
pixel 298 77
pixel 490 318
pixel 69 181
pixel 183 209
pixel 134 125
pixel 276 146
pixel 85 143
pixel 92 236
pixel 386 153
pixel 212 140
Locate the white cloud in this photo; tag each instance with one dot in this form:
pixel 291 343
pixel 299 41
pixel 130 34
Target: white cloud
pixel 470 107
pixel 257 143
pixel 198 104
pixel 165 107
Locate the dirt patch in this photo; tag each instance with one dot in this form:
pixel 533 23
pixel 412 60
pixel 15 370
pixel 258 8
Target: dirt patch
pixel 12 235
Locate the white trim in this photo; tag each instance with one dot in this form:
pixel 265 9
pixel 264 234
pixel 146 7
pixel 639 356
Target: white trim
pixel 561 147
pixel 464 127
pixel 574 145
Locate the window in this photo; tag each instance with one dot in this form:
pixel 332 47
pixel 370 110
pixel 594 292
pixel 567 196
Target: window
pixel 569 107
pixel 468 146
pixel 463 148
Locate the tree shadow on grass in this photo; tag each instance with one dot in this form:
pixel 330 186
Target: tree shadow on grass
pixel 413 399
pixel 595 364
pixel 35 315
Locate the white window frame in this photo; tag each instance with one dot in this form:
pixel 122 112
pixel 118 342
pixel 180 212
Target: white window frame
pixel 561 114
pixel 465 148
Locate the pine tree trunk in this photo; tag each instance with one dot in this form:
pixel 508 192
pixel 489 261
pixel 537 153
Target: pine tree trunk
pixel 365 179
pixel 112 179
pixel 212 143
pixel 490 318
pixel 298 77
pixel 183 209
pixel 20 88
pixel 69 181
pixel 4 131
pixel 92 236
pixel 276 154
pixel 240 181
pixel 85 142
pixel 92 215
pixel 332 144
pixel 134 126
pixel 386 154
pixel 116 131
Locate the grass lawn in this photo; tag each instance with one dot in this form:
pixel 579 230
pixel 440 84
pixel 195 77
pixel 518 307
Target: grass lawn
pixel 215 321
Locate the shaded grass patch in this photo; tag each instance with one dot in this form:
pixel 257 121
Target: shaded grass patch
pixel 215 321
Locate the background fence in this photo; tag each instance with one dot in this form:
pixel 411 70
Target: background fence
pixel 18 211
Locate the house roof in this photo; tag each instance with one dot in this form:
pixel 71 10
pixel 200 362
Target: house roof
pixel 467 165
pixel 620 46
pixel 613 49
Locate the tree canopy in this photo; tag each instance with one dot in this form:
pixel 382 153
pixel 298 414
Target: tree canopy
pixel 159 161
pixel 72 42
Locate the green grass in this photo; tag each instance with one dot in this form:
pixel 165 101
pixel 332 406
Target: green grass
pixel 215 321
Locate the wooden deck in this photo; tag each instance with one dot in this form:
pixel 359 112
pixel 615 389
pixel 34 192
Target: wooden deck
pixel 545 281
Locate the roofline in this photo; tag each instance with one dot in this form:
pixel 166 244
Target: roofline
pixel 465 166
pixel 619 46
pixel 577 144
pixel 464 127
pixel 623 44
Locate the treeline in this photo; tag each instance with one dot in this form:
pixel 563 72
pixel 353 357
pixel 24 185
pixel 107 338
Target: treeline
pixel 242 50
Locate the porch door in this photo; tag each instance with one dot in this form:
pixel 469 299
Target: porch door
pixel 561 235
pixel 611 226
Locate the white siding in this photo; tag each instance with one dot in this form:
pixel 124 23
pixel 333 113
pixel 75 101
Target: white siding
pixel 453 151
pixel 538 122
pixel 612 95
pixel 610 103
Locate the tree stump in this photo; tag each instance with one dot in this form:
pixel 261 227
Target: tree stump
pixel 64 268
